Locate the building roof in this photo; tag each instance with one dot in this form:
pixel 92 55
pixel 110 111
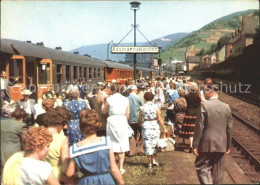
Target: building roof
pixel 117 65
pixel 26 49
pixel 193 59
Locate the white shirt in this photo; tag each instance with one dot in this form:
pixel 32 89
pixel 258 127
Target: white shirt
pixel 34 171
pixel 38 109
pixel 2 84
pixel 27 107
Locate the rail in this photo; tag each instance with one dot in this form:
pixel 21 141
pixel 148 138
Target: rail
pixel 249 125
pixel 253 160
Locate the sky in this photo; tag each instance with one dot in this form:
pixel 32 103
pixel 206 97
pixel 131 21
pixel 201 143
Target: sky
pixel 71 24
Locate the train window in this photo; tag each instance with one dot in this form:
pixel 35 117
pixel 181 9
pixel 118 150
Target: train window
pixel 80 73
pixel 44 73
pixel 102 73
pixel 90 74
pixel 67 73
pixel 75 73
pixel 95 73
pixel 16 70
pixel 85 73
pixel 59 73
pixel 98 73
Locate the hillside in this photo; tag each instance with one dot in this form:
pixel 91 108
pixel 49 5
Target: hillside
pixel 168 40
pixel 100 50
pixel 204 37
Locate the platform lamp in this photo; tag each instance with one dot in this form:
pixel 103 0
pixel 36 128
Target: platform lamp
pixel 160 61
pixel 135 6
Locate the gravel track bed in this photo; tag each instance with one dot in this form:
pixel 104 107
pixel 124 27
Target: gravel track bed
pixel 247 111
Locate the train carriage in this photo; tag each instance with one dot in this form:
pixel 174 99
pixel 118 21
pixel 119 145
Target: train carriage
pixel 147 72
pixel 117 71
pixel 40 68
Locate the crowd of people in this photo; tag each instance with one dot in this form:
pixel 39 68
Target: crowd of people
pixel 83 138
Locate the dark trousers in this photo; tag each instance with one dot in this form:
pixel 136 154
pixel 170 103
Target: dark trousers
pixel 210 167
pixel 4 96
pixel 136 142
pixel 29 120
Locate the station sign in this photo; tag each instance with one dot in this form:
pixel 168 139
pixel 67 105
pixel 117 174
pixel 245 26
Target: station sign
pixel 135 49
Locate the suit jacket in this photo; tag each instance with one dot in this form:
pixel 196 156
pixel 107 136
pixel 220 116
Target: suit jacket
pixel 11 130
pixel 213 127
pixel 7 83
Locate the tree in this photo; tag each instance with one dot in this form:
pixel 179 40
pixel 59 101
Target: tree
pixel 221 42
pixel 212 49
pixel 201 52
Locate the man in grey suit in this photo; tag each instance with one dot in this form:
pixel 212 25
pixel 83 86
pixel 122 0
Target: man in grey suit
pixel 212 137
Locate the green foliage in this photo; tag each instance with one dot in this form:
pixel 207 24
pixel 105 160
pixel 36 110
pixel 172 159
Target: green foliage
pixel 256 13
pixel 195 38
pixel 202 52
pixel 234 23
pixel 213 48
pixel 222 41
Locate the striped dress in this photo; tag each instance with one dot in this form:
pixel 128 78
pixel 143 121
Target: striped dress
pixel 188 126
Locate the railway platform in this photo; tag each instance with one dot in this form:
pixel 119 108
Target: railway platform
pixel 177 167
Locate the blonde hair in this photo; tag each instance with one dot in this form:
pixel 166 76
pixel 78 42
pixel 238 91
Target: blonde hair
pixel 11 171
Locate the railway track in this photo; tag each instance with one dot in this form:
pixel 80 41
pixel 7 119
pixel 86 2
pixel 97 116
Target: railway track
pixel 246 146
pixel 247 97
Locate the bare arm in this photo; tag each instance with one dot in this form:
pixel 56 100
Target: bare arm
pixel 140 118
pixel 71 168
pixel 127 112
pixel 159 119
pixel 52 180
pixel 114 169
pixel 104 107
pixel 65 157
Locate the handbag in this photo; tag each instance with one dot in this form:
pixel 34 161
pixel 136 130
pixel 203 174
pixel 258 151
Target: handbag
pixel 166 144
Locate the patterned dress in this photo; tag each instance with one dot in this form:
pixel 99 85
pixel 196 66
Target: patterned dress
pixel 150 129
pixel 93 161
pixel 73 132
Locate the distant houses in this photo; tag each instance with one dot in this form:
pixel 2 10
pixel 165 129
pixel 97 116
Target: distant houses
pixel 235 42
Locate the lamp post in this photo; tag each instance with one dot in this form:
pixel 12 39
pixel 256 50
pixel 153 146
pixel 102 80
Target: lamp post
pixel 160 61
pixel 135 6
pixel 108 49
